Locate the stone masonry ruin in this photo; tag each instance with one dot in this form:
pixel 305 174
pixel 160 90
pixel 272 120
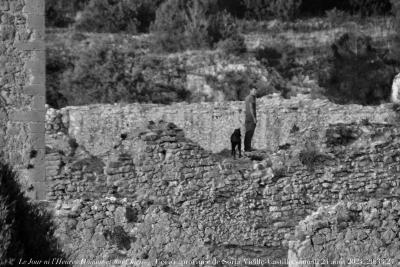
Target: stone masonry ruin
pixel 349 233
pixel 125 185
pixel 121 188
pixel 22 91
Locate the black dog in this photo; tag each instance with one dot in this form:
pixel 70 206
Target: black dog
pixel 236 141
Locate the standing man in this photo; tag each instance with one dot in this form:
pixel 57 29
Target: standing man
pixel 251 119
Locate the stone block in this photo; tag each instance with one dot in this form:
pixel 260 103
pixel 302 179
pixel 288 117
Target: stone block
pixel 37 140
pixel 39 103
pixel 34 7
pixel 27 116
pixel 36 45
pixel 41 190
pixel 38 174
pixel 35 90
pixel 37 127
pixel 36 22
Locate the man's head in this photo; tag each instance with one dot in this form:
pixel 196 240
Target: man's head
pixel 253 91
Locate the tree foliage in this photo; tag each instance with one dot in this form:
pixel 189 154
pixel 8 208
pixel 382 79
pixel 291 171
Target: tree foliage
pixel 267 9
pixel 130 16
pixel 61 13
pixel 100 74
pixel 396 44
pixel 362 7
pixel 358 72
pixel 195 24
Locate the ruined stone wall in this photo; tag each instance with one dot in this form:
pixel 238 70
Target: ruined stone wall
pixel 349 233
pixel 323 35
pixel 159 195
pixel 22 91
pixel 280 121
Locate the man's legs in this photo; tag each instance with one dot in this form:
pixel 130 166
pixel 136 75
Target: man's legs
pixel 250 127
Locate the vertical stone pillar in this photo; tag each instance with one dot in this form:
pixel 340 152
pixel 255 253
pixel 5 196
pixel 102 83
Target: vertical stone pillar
pixel 22 91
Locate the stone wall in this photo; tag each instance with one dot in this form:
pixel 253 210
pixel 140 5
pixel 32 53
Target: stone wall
pixel 316 33
pixel 349 233
pixel 280 121
pixel 158 195
pixel 22 91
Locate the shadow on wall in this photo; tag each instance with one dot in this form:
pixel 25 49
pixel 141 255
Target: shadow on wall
pixel 26 229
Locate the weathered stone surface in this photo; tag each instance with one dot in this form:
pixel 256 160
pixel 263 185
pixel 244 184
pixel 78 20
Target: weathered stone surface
pixel 348 240
pixel 98 127
pixel 18 108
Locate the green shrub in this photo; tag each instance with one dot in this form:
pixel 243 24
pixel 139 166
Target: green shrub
pixel 61 13
pixel 355 7
pixel 171 22
pixel 234 45
pixel 357 74
pixel 56 64
pixel 396 15
pixel 236 85
pixel 337 17
pixel 370 7
pixel 130 16
pixel 224 31
pixel 266 9
pixel 342 135
pixel 195 24
pixel 26 230
pixel 309 156
pixel 282 58
pixel 100 75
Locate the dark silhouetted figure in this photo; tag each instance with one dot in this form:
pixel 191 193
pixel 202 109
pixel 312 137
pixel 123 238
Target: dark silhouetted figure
pixel 236 141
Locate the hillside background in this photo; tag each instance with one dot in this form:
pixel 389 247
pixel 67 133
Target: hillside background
pixel 166 51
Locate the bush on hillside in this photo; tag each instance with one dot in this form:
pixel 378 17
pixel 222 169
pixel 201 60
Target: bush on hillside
pixel 267 9
pixel 100 75
pixel 61 13
pixel 369 7
pixel 112 16
pixel 281 58
pixel 56 64
pixel 357 74
pixel 194 24
pixel 236 85
pixel 337 17
pixel 362 7
pixel 26 230
pixel 396 44
pixel 224 31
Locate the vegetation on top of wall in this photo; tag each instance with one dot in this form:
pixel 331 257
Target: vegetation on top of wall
pixel 309 156
pixel 26 229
